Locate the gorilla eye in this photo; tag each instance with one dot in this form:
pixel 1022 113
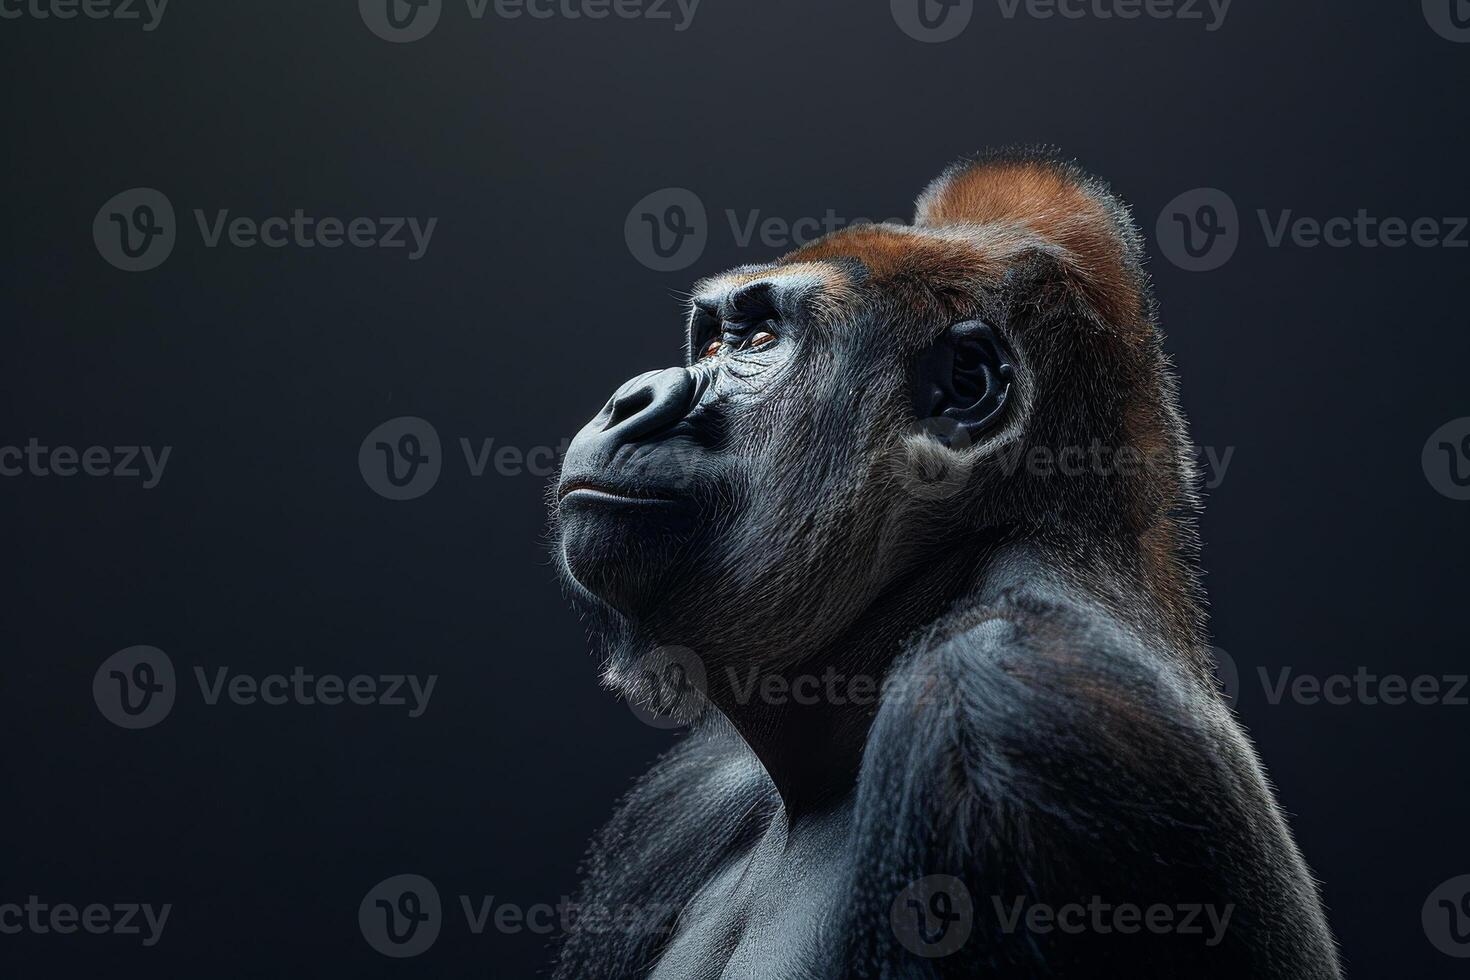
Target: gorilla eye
pixel 712 348
pixel 761 338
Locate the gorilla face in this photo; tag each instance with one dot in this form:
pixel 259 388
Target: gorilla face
pixel 713 500
pixel 665 483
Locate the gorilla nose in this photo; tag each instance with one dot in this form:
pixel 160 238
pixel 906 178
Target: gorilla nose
pixel 648 404
pixel 638 411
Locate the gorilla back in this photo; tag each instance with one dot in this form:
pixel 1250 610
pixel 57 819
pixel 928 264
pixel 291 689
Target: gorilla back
pixel 913 527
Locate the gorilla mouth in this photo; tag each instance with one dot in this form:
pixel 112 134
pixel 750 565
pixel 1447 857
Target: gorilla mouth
pixel 588 490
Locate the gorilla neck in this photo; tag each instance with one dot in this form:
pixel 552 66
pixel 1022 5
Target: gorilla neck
pixel 808 722
pixel 808 719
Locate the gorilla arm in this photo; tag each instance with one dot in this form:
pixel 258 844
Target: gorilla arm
pixel 1045 757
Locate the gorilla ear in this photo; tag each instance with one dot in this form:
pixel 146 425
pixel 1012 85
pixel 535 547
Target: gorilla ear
pixel 965 378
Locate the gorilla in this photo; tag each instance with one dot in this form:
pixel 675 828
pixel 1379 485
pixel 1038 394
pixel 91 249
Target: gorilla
pixel 908 545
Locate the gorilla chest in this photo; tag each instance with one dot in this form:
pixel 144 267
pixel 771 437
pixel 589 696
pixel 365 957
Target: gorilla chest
pixel 774 911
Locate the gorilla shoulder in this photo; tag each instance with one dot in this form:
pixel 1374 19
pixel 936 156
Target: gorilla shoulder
pixel 1038 745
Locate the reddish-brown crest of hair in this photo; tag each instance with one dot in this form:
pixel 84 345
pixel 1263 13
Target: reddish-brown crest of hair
pixel 1068 210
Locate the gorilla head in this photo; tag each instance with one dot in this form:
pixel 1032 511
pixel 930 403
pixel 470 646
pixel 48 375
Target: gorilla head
pixel 858 423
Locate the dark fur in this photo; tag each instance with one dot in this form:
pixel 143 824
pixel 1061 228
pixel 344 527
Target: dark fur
pixel 1052 729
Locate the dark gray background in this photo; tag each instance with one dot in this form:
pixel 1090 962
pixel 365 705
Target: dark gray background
pixel 262 548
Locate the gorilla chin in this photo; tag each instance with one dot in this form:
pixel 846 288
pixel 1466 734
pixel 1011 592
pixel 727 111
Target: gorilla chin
pixel 635 490
pixel 617 545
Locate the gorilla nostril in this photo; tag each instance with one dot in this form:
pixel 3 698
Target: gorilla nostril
pixel 626 406
pixel 648 404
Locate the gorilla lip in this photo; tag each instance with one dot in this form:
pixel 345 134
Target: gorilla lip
pixel 598 490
